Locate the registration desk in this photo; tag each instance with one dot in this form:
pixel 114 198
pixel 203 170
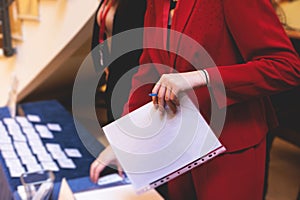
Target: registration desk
pixel 52 112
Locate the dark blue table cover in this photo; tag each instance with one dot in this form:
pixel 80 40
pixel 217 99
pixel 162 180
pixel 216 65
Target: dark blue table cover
pixel 52 112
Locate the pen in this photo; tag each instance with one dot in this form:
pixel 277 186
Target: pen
pixel 153 94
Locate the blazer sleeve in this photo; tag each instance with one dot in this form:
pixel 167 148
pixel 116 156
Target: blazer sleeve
pixel 271 63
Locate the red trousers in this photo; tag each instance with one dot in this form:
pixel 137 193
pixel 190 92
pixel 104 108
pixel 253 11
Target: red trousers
pixel 230 176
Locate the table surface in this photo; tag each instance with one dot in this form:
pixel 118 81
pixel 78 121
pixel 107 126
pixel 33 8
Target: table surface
pixel 53 112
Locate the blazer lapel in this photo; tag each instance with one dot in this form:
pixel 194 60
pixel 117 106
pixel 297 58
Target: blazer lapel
pixel 181 17
pixel 182 14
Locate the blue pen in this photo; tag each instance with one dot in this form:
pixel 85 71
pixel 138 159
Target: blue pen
pixel 153 94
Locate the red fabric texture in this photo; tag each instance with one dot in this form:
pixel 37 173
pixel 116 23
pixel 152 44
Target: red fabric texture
pixel 254 58
pixel 251 52
pixel 233 176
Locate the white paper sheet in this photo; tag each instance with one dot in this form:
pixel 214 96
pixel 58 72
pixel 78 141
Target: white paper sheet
pixel 28 160
pixel 9 121
pixel 24 152
pixel 9 154
pixel 6 147
pixel 16 171
pixel 33 167
pixel 34 140
pixel 50 166
pixel 38 149
pixel 66 163
pixel 73 153
pixel 53 147
pixel 4 139
pixel 58 155
pixel 23 121
pixel 19 137
pixel 44 157
pixel 33 118
pixel 44 131
pixel 29 130
pixel 54 127
pixel 13 162
pixel 109 179
pixel 150 146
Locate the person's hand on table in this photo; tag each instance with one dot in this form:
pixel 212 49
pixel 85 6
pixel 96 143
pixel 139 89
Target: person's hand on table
pixel 170 86
pixel 105 158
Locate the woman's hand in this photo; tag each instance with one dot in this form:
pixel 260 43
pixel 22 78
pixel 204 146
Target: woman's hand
pixel 170 86
pixel 105 158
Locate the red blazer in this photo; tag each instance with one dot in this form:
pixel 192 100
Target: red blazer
pixel 250 50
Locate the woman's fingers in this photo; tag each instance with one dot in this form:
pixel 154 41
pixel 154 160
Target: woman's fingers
pixel 120 171
pixel 92 169
pixel 161 98
pixel 95 170
pixel 155 92
pixel 172 106
pixel 174 99
pixel 169 98
pixel 165 95
pixel 99 168
pixel 171 85
pixel 105 158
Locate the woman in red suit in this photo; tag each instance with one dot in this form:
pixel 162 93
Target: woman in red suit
pixel 254 58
